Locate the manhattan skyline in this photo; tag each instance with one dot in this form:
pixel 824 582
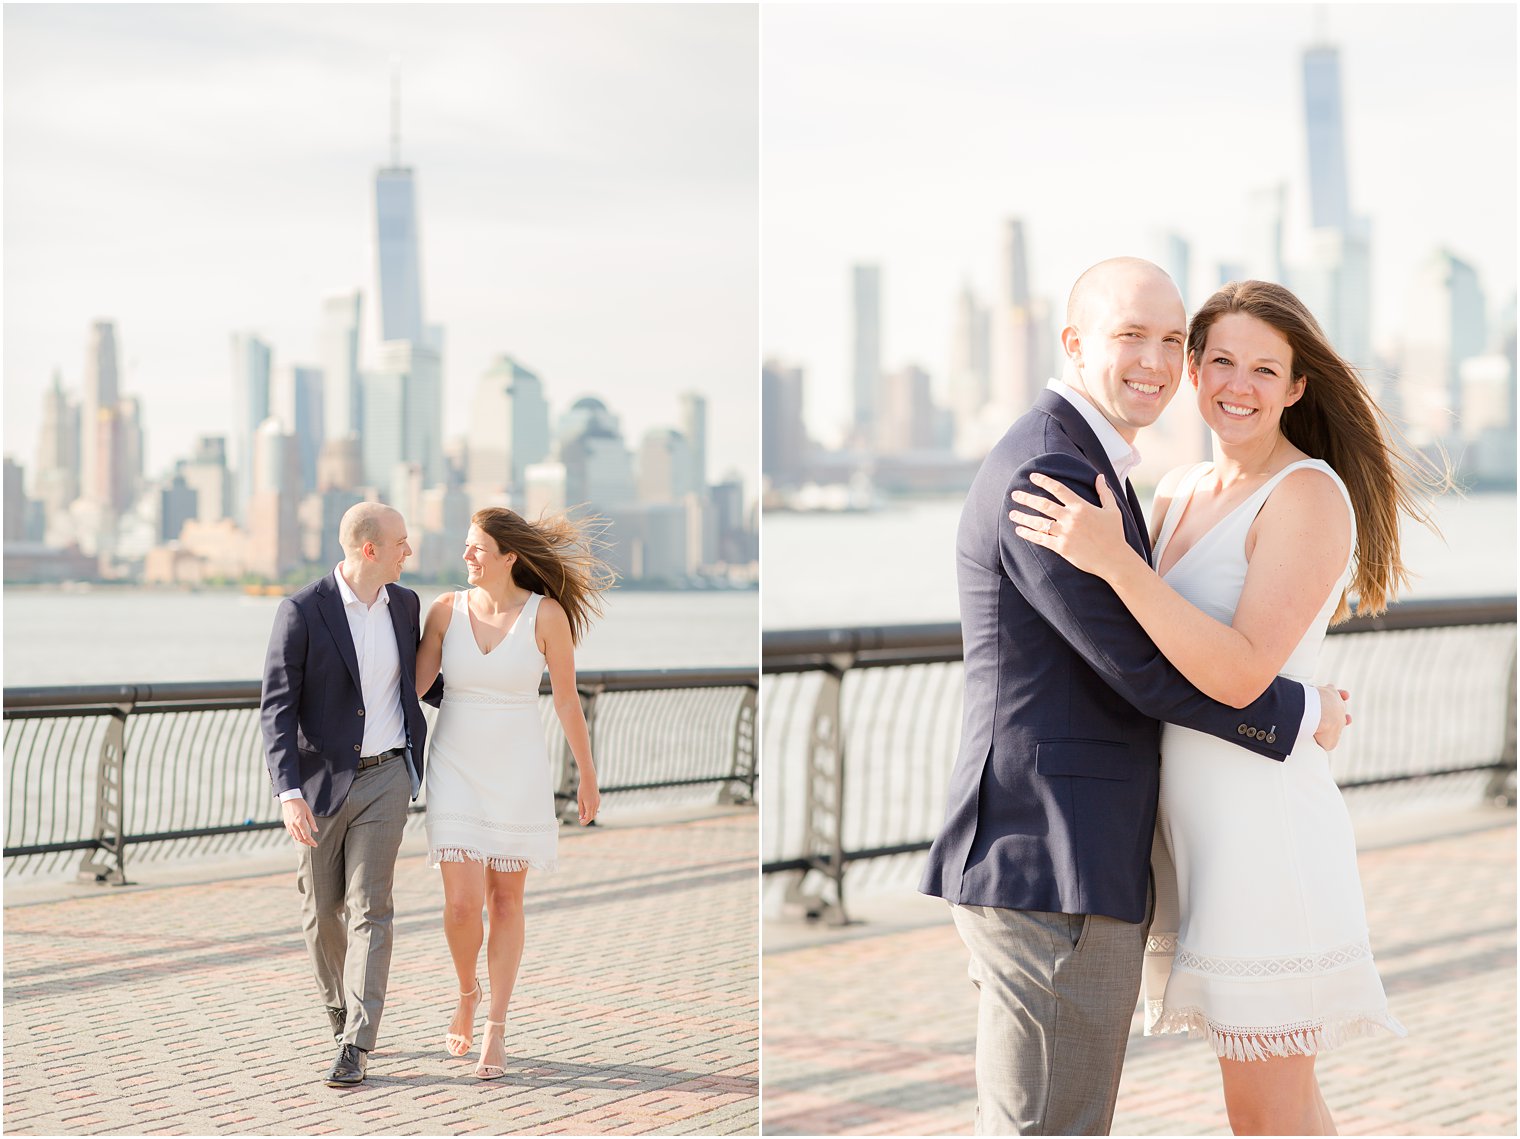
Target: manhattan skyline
pixel 591 223
pixel 903 137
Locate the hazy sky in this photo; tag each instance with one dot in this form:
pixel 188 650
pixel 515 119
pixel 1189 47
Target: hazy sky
pixel 586 177
pixel 904 135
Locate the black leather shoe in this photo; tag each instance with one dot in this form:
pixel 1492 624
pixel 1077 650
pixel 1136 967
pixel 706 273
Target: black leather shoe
pixel 348 1068
pixel 337 1017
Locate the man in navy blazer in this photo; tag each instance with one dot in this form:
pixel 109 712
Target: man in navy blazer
pixel 343 738
pixel 1052 802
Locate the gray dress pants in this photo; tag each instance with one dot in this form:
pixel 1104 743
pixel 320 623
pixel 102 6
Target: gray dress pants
pixel 346 908
pixel 1055 994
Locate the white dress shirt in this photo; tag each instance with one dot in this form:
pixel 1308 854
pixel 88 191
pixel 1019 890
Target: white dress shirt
pixel 379 672
pixel 1125 457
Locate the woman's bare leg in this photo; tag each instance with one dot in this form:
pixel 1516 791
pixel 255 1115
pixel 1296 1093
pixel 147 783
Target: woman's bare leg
pixel 1279 1096
pixel 504 950
pixel 464 891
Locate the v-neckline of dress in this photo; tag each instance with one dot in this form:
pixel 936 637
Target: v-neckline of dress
pixel 1168 533
pixel 470 619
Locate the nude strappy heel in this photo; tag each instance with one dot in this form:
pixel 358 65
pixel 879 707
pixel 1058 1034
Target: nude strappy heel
pixel 456 1044
pixel 484 1071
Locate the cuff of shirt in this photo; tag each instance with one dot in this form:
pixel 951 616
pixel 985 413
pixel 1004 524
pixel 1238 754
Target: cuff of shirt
pixel 295 792
pixel 1311 718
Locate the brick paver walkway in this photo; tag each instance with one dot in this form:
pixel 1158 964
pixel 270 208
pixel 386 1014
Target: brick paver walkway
pixel 191 1009
pixel 870 1029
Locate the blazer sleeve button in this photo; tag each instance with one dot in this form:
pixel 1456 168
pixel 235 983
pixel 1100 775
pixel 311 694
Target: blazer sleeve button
pixel 1251 732
pixel 1240 731
pixel 1271 737
pixel 361 711
pixel 356 747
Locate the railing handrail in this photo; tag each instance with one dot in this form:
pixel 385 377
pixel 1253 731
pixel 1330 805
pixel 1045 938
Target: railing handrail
pixel 241 692
pixel 785 650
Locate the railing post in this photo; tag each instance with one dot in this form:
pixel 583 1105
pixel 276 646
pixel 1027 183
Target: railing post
pixel 106 864
pixel 569 774
pixel 1501 788
pixel 740 789
pixel 824 833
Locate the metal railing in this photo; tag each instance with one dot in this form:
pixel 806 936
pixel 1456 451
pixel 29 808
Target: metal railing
pixel 171 770
pixel 860 728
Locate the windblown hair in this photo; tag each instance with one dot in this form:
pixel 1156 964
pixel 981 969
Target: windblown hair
pixel 1337 420
pixel 557 557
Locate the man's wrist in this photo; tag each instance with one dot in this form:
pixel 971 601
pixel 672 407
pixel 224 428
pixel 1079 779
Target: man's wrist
pixel 293 793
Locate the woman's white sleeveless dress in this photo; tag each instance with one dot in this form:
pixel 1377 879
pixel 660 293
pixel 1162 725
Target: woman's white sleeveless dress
pixel 1259 941
pixel 490 796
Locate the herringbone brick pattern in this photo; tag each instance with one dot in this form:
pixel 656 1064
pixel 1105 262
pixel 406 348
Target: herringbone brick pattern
pixel 871 1029
pixel 191 1009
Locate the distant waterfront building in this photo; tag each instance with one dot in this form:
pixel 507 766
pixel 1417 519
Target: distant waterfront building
pixel 694 428
pixel 1015 379
pixel 178 504
pixel 865 367
pixel 908 419
pixel 306 420
pixel 340 464
pixel 1329 196
pixel 544 489
pixel 970 364
pixel 665 467
pixel 398 260
pixel 57 471
pixel 101 393
pixel 509 426
pixel 206 474
pixel 1175 256
pixel 783 435
pixel 15 501
pixel 1265 208
pixel 403 412
pixel 1445 322
pixel 342 411
pixel 598 464
pixel 274 536
pixel 251 360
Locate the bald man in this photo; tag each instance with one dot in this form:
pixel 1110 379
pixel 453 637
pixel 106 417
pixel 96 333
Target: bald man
pixel 343 738
pixel 1052 802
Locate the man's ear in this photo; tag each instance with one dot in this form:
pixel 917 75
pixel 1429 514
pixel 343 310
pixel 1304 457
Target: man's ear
pixel 1071 344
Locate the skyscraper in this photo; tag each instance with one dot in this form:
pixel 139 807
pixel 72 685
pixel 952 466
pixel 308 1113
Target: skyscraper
pixel 396 241
pixel 1265 207
pixel 1015 379
pixel 509 427
pixel 342 412
pixel 664 466
pixel 783 440
pixel 98 442
pixel 866 360
pixel 1444 324
pixel 57 480
pixel 694 427
pixel 1329 197
pixel 251 359
pixel 969 364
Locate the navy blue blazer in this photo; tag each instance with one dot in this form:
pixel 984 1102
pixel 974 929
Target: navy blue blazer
pixel 1052 799
pixel 311 711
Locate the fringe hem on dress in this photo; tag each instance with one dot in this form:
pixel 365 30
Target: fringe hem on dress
pixel 1264 1043
pixel 505 865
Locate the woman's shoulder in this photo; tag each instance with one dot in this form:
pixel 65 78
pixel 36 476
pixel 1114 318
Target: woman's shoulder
pixel 1310 488
pixel 1173 478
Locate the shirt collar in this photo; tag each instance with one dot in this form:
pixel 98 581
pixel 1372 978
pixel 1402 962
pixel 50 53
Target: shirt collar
pixel 1125 457
pixel 346 592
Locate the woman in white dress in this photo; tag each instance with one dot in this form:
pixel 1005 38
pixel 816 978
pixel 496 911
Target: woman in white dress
pixel 1260 941
pixel 490 793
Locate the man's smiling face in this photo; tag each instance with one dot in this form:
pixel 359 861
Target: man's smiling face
pixel 1126 339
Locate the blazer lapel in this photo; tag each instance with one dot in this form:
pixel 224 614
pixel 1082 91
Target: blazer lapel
pixel 406 639
pixel 330 605
pixel 1058 408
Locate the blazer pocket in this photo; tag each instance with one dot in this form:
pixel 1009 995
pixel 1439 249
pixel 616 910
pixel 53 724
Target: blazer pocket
pixel 1087 759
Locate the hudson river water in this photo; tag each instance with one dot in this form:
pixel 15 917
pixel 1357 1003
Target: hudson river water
pixel 108 635
pixel 897 566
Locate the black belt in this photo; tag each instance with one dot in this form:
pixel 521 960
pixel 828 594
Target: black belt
pixel 368 761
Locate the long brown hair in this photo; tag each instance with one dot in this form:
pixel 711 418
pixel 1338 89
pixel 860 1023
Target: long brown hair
pixel 1337 420
pixel 557 557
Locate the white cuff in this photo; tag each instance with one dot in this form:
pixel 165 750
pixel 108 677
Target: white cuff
pixel 1311 718
pixel 295 793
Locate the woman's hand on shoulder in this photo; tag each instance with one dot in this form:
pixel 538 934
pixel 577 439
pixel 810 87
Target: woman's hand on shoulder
pixel 1089 537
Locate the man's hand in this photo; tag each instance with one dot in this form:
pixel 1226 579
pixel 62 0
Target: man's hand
pixel 300 823
pixel 1333 716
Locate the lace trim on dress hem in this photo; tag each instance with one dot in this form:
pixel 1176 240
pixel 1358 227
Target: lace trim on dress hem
pixel 490 824
pixel 1309 964
pixel 505 865
pixel 1303 1038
